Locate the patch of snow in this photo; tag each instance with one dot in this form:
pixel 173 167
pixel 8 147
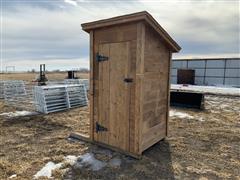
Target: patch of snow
pixel 46 171
pixel 207 89
pixel 88 160
pixel 84 161
pixel 104 152
pixel 115 162
pixel 180 114
pixel 18 114
pixel 71 159
pixel 13 176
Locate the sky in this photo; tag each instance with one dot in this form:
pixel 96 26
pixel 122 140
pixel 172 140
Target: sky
pixel 34 32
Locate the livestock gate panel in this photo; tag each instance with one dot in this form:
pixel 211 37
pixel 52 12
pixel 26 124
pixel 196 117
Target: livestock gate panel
pixel 129 81
pixel 18 94
pixel 1 89
pixel 56 98
pixel 78 81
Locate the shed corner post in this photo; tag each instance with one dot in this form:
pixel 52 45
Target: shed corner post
pixel 169 91
pixel 91 85
pixel 139 85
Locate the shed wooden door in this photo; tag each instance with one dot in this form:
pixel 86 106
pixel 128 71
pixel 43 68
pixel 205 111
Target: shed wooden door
pixel 113 96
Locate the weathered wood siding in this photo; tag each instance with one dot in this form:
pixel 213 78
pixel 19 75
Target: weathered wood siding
pixel 149 65
pixel 155 89
pixel 116 34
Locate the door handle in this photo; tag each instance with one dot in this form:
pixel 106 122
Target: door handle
pixel 128 80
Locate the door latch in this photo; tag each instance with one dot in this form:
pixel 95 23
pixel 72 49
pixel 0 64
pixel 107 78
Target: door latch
pixel 101 57
pixel 128 80
pixel 100 128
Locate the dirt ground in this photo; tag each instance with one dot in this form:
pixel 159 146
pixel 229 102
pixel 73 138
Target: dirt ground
pixel 201 145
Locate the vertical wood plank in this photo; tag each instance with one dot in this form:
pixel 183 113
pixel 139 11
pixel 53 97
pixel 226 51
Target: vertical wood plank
pixel 95 87
pixel 119 96
pixel 155 90
pixel 139 85
pixel 132 74
pixel 103 104
pixel 91 133
pixel 168 90
pixel 100 94
pixel 140 48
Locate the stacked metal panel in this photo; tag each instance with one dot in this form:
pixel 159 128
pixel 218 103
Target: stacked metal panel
pixel 77 95
pixel 18 94
pixel 78 81
pixel 14 88
pixel 85 82
pixel 1 89
pixel 59 97
pixel 50 98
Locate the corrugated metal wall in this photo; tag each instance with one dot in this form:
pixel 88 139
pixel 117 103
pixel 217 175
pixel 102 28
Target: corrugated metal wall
pixel 210 71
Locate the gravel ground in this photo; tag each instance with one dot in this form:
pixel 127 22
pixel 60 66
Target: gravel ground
pixel 201 145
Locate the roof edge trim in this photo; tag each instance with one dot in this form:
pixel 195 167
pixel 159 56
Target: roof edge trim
pixel 139 16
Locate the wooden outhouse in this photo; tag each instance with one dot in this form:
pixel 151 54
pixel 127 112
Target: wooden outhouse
pixel 130 60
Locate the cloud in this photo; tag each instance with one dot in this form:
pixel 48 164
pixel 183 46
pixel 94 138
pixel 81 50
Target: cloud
pixel 51 64
pixel 43 30
pixel 72 2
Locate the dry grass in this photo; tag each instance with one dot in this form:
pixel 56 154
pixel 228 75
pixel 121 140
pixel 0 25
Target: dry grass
pixel 206 146
pixel 27 143
pixel 32 76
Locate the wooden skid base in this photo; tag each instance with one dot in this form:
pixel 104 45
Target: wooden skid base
pixel 85 138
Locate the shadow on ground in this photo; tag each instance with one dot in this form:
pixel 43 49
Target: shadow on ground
pixel 156 163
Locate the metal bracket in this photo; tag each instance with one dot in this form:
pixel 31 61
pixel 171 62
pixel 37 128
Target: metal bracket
pixel 101 57
pixel 100 128
pixel 128 80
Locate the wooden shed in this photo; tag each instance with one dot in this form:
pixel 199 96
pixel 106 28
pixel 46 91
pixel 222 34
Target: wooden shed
pixel 130 60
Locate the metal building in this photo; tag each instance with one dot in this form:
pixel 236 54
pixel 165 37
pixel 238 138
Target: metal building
pixel 210 71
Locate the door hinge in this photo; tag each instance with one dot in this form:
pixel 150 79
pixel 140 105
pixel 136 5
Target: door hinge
pixel 100 128
pixel 101 57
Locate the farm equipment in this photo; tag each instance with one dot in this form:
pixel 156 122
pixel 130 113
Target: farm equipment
pixel 71 75
pixel 42 79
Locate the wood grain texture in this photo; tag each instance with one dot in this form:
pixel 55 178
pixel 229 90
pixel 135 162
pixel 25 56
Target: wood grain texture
pixel 91 85
pixel 143 16
pixel 132 74
pixel 169 87
pixel 121 33
pixel 119 96
pixel 103 95
pixel 135 114
pixel 155 89
pixel 139 85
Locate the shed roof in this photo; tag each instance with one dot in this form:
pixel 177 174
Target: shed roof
pixel 139 16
